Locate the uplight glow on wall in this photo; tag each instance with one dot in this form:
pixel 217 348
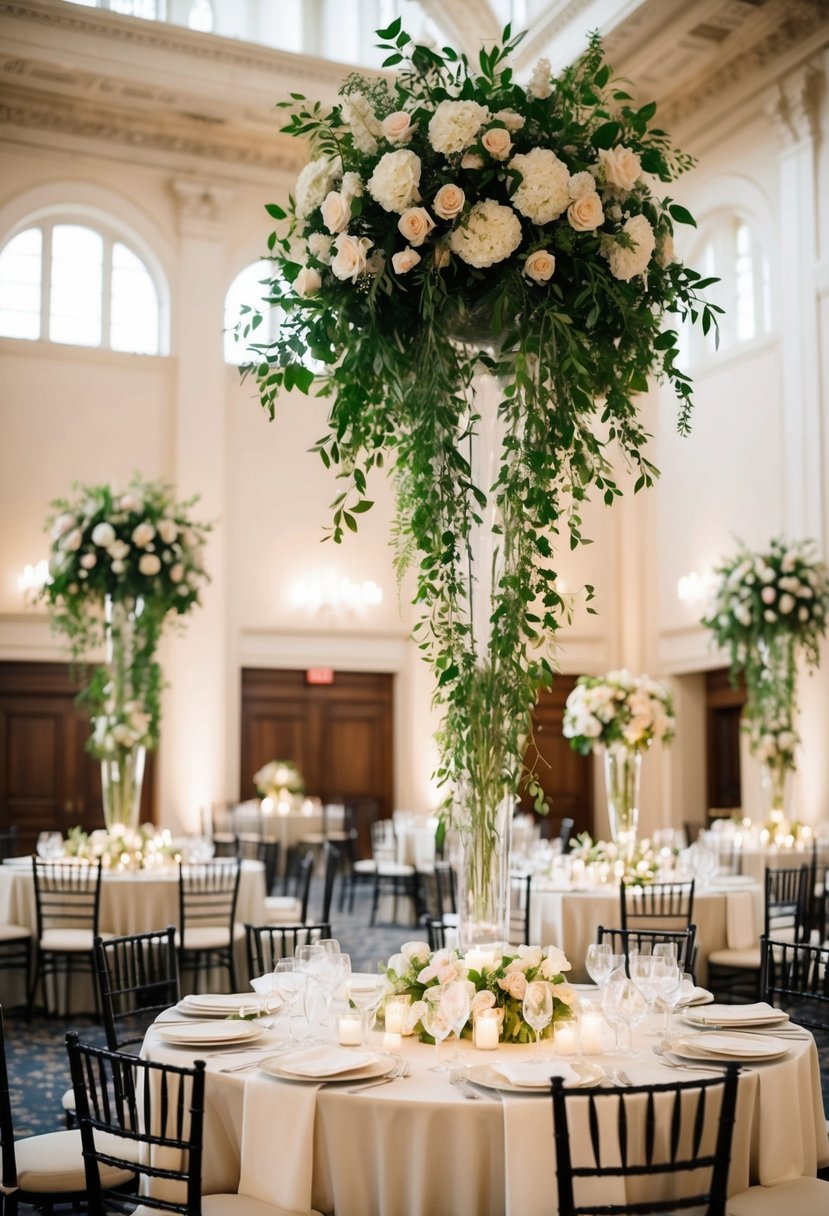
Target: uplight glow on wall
pixel 335 592
pixel 695 589
pixel 33 577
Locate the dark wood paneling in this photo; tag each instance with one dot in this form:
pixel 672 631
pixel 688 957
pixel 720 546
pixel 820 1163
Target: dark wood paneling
pixel 339 735
pixel 723 709
pixel 565 776
pixel 48 781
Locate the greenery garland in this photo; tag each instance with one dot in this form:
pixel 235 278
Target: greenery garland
pixel 454 220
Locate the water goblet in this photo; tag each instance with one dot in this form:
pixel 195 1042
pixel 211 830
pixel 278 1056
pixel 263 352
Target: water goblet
pixel 366 998
pixel 668 984
pixel 289 983
pixel 624 1006
pixel 598 961
pixel 538 1008
pixel 456 1003
pixel 436 1023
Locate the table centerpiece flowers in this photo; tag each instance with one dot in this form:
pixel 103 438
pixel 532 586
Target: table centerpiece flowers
pixel 768 608
pixel 278 782
pixel 123 847
pixel 640 868
pixel 623 714
pixel 122 564
pixel 479 274
pixel 496 980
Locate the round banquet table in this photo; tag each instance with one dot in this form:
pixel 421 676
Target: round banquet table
pixel 131 902
pixel 728 913
pixel 417 1147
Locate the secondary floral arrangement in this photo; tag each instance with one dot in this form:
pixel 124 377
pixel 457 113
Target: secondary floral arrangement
pixel 278 778
pixel 123 848
pixel 618 708
pixel 499 984
pixel 768 608
pixel 640 868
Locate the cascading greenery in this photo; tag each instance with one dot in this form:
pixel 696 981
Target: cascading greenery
pixel 454 220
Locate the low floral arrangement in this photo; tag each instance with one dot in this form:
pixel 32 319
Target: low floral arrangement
pixel 767 608
pixel 618 709
pixel 641 868
pixel 121 563
pixel 278 778
pixel 123 848
pixel 500 985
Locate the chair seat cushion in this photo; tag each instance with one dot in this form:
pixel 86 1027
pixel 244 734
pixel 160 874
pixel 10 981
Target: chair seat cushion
pixel 749 959
pixel 282 910
pixel 209 937
pixel 52 1163
pixel 394 869
pixel 797 1197
pixel 67 941
pixel 366 865
pixel 14 933
pixel 68 1100
pixel 239 1205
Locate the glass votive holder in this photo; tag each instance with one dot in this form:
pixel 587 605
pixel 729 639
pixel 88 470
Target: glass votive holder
pixel 350 1029
pixel 566 1037
pixel 486 1029
pixel 395 1013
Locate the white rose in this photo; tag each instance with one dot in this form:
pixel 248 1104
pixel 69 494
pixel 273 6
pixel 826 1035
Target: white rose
pixel 63 523
pixel 768 595
pixel 130 502
pixel 539 266
pixel 88 561
pixel 395 180
pixel 142 534
pixel 581 184
pixel 448 202
pixel 72 541
pixel 149 564
pixel 103 535
pixel 619 167
pixel 176 573
pixel 167 530
pixel 117 566
pixel 511 120
pixel 415 224
pixel 308 281
pixel 497 142
pixel 122 734
pixel 482 1000
pixel 417 951
pixel 787 602
pixel 336 212
pixel 471 160
pixel 397 127
pixel 405 260
pixel 313 184
pixel 319 247
pixel 803 614
pixel 769 617
pixel 454 125
pixel 350 259
pixel 515 984
pixel 585 214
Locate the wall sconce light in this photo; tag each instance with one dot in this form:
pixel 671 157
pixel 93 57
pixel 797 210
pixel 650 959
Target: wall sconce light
pixel 33 578
pixel 330 591
pixel 695 588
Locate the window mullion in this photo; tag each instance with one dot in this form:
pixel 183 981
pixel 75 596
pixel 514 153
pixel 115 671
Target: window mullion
pixel 106 293
pixel 45 282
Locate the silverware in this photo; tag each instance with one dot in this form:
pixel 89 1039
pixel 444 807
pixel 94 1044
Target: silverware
pixel 661 1049
pixel 458 1078
pixel 768 1031
pixel 399 1071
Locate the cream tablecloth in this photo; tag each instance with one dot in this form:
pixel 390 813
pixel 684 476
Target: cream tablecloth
pixel 731 917
pixel 130 903
pixel 416 1147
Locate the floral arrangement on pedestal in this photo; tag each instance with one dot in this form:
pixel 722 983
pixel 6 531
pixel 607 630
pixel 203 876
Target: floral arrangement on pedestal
pixel 122 563
pixel 123 848
pixel 279 779
pixel 454 222
pixel 769 608
pixel 495 981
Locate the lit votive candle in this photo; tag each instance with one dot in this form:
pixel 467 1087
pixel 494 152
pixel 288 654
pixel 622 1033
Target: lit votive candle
pixel 392 1042
pixel 486 1029
pixel 565 1039
pixel 350 1030
pixel 591 1034
pixel 394 1015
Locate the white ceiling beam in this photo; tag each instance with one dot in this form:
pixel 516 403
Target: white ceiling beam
pixel 470 24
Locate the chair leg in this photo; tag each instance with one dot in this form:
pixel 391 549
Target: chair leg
pixel 375 900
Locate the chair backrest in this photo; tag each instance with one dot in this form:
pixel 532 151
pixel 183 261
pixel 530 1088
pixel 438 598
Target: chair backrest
pixel 641 1135
pixel 67 894
pixel 8 1176
pixel 383 840
pixel 794 976
pixel 225 844
pixel 208 891
pixel 436 931
pixel 519 909
pixel 266 944
pixel 252 847
pixel 137 978
pixel 669 903
pixel 332 865
pixel 447 887
pixel 565 831
pixel 786 902
pixel 156 1110
pixel 622 941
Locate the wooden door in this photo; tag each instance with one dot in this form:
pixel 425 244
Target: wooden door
pixel 339 735
pixel 48 781
pixel 564 775
pixel 723 709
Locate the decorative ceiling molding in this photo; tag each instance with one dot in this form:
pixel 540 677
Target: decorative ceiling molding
pixel 469 23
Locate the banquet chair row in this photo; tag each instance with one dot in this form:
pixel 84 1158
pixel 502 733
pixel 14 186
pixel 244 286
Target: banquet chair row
pixel 267 944
pixel 623 941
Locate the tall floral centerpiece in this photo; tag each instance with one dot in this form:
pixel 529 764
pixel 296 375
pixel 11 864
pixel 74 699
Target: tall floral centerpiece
pixel 454 221
pixel 278 781
pixel 768 608
pixel 121 564
pixel 623 714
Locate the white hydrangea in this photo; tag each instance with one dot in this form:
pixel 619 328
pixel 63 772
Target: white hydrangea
pixel 313 183
pixel 362 122
pixel 395 180
pixel 319 246
pixel 544 192
pixel 628 263
pixel 454 125
pixel 492 232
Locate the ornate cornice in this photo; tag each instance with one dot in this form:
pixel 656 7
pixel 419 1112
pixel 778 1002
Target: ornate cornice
pixel 202 205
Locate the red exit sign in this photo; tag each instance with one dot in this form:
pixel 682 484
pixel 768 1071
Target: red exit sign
pixel 319 675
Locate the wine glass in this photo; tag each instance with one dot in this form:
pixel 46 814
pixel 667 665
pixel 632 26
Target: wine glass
pixel 538 1008
pixel 642 968
pixel 50 845
pixel 366 997
pixel 624 1006
pixel 668 985
pixel 598 962
pixel 312 961
pixel 456 1002
pixel 435 1021
pixel 289 983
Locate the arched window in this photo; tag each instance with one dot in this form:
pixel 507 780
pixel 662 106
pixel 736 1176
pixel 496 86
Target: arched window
pixel 200 16
pixel 65 280
pixel 246 292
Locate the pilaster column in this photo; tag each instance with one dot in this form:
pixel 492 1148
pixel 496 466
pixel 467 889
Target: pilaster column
pixel 195 729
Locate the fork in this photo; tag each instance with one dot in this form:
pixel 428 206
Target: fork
pixel 661 1050
pixel 458 1078
pixel 399 1071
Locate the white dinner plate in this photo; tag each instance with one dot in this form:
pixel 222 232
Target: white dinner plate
pixel 225 1005
pixel 204 1034
pixel 724 1045
pixel 276 1067
pixel 731 882
pixel 490 1078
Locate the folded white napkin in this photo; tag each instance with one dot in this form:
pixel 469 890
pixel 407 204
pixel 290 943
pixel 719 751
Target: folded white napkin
pixel 533 1073
pixel 691 994
pixel 722 1015
pixel 324 1061
pixel 263 984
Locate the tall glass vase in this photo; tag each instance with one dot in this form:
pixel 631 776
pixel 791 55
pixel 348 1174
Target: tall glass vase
pixel 483 906
pixel 122 767
pixel 776 784
pixel 622 771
